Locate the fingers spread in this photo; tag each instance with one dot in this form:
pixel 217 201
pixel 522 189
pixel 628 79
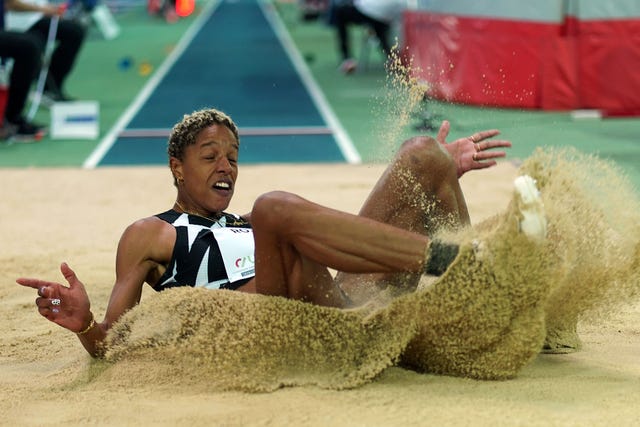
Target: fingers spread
pixel 483 160
pixel 43 303
pixel 482 135
pixel 485 156
pixel 33 283
pixel 493 154
pixel 69 275
pixel 495 144
pixel 443 132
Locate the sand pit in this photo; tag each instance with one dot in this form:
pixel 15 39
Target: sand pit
pixel 368 367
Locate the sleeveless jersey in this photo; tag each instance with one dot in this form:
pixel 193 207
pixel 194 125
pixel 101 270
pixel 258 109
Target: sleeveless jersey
pixel 215 254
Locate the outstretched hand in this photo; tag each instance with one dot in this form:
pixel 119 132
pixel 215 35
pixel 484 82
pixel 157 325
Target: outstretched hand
pixel 471 152
pixel 69 306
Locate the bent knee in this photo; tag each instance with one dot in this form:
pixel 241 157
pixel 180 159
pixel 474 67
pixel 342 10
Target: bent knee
pixel 273 207
pixel 71 31
pixel 30 46
pixel 426 155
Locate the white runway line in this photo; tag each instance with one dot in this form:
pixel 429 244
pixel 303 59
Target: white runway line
pixel 110 138
pixel 342 138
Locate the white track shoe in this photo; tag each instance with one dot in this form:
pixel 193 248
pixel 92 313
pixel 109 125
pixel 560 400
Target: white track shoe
pixel 533 222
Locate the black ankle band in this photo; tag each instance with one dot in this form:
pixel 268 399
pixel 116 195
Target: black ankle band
pixel 441 255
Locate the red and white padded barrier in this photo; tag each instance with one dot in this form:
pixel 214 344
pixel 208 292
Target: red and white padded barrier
pixel 553 55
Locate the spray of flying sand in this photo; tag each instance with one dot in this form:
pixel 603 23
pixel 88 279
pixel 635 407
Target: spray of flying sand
pixel 486 318
pixel 483 319
pixel 595 229
pixel 394 105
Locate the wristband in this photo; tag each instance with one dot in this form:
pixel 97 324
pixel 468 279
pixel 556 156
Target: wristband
pixel 92 323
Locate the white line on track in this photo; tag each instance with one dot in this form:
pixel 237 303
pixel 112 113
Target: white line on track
pixel 110 138
pixel 342 138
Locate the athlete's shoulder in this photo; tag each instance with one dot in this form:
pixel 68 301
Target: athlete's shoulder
pixel 146 237
pixel 151 224
pixel 169 216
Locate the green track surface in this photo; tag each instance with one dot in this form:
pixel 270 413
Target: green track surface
pixel 360 101
pixel 98 75
pixel 357 102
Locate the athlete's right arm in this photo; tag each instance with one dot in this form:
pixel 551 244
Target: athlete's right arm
pixel 144 248
pixel 141 251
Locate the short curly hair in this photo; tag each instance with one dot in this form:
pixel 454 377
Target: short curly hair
pixel 184 132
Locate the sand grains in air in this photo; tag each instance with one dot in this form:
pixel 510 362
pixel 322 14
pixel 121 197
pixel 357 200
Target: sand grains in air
pixel 486 318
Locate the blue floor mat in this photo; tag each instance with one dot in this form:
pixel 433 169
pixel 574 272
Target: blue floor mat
pixel 237 64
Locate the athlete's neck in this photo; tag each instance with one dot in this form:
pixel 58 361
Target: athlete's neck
pixel 211 216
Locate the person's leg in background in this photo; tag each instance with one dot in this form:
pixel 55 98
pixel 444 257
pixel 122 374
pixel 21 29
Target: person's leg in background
pixel 381 30
pixel 70 37
pixel 26 52
pixel 345 14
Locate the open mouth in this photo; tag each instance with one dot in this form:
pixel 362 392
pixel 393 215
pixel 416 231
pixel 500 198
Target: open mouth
pixel 222 185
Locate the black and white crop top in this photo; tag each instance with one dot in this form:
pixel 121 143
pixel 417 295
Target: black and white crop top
pixel 214 254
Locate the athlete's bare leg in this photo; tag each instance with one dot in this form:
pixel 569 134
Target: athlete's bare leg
pixel 422 174
pixel 296 240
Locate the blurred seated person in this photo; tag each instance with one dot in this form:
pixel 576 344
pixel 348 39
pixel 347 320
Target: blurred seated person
pixel 26 57
pixel 378 15
pixel 34 18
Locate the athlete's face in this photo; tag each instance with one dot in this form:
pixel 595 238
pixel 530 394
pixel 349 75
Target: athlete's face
pixel 209 171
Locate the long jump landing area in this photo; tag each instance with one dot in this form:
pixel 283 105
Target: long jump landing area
pixel 236 57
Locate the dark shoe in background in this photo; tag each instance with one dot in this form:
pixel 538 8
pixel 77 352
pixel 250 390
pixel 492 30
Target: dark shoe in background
pixel 23 131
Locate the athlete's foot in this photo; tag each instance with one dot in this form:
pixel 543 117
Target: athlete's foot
pixel 561 341
pixel 485 316
pixel 533 222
